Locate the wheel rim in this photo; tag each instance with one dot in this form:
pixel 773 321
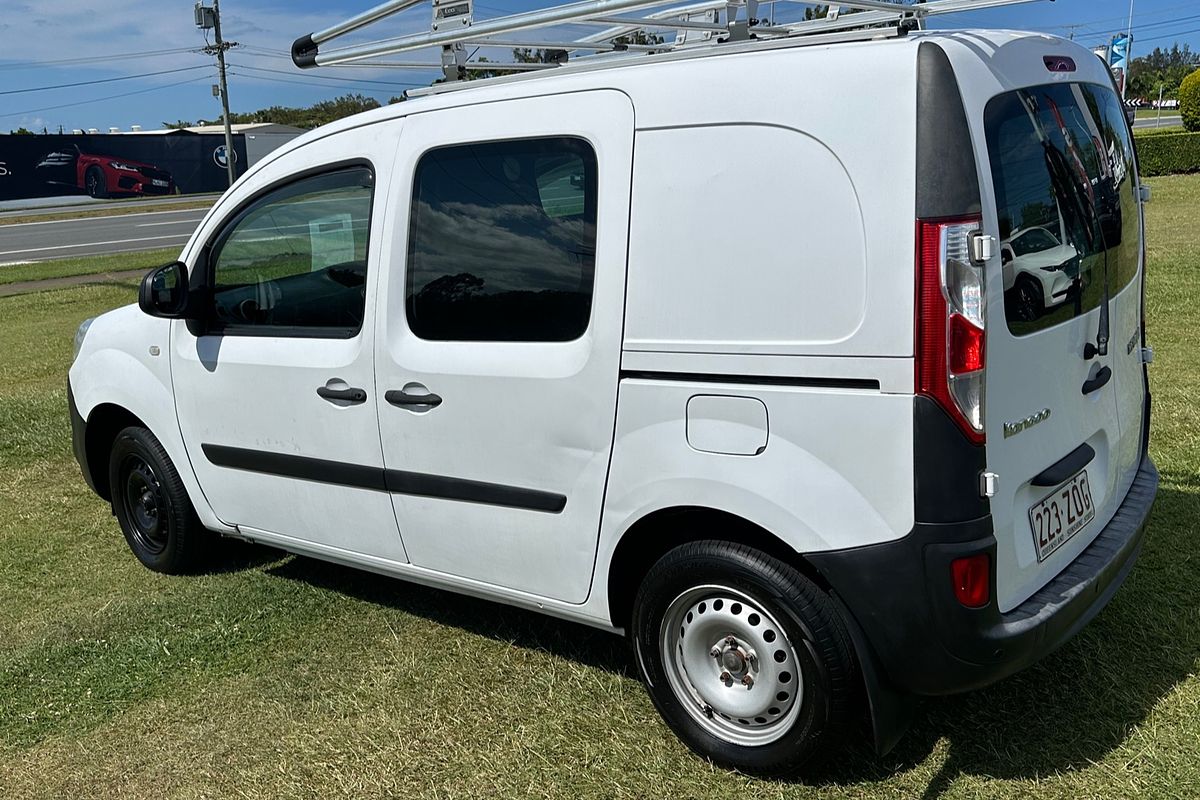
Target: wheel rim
pixel 731 665
pixel 1028 301
pixel 145 505
pixel 93 184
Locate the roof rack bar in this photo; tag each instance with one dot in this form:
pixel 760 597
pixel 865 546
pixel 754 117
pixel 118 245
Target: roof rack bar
pixel 647 22
pixel 678 12
pixel 534 43
pixel 683 18
pixel 571 12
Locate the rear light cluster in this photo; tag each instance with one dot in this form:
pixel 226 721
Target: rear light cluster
pixel 972 579
pixel 950 321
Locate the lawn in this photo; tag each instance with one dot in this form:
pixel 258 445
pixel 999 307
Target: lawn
pixel 284 677
pixel 87 265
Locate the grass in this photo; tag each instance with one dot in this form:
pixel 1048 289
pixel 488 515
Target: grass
pixel 87 265
pixel 110 211
pixel 284 677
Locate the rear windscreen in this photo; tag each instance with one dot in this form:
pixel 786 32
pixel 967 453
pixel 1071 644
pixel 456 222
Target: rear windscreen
pixel 1062 167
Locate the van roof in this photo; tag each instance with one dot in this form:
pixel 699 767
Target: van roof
pixel 617 69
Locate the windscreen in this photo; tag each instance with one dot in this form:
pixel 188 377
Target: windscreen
pixel 1062 167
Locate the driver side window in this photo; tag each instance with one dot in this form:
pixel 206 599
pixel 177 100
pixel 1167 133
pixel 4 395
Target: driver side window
pixel 294 262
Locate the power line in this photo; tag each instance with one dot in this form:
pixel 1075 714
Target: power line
pixel 102 80
pixel 94 59
pixel 101 99
pixel 305 82
pixel 328 78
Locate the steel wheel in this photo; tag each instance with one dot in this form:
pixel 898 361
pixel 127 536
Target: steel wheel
pixel 732 665
pixel 145 503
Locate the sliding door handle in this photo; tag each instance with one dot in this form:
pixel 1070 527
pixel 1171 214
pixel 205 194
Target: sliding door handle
pixel 350 394
pixel 398 397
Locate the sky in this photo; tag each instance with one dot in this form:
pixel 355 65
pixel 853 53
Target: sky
pixel 139 63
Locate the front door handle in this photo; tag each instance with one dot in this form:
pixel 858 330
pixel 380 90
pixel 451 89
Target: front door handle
pixel 350 394
pixel 1092 384
pixel 399 397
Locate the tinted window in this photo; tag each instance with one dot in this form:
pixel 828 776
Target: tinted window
pixel 295 261
pixel 1062 169
pixel 502 241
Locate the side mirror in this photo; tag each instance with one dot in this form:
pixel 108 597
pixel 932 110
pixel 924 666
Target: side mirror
pixel 1130 115
pixel 164 292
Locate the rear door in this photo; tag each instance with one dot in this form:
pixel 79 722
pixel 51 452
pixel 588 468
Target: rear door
pixel 1063 420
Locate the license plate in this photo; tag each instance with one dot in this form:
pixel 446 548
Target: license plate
pixel 1061 514
pixel 157 182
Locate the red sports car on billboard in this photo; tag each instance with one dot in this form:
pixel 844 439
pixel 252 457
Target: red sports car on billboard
pixel 104 176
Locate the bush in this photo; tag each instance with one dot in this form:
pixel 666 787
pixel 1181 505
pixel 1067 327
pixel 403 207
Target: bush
pixel 1168 154
pixel 1189 101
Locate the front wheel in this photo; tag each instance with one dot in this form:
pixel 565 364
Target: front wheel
pixel 152 506
pixel 95 183
pixel 744 657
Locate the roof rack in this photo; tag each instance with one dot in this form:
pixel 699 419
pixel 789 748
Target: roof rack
pixel 657 27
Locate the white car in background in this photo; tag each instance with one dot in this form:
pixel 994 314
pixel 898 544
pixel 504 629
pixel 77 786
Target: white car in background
pixel 1039 271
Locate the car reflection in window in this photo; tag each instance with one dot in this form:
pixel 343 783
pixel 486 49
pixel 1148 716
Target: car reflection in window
pixel 1040 272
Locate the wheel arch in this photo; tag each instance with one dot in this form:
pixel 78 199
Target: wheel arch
pixel 650 537
pixel 103 425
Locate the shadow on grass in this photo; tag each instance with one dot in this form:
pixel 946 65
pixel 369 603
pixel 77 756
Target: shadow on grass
pixel 590 646
pixel 1065 712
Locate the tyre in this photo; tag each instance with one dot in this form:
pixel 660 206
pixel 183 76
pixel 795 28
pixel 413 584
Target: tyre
pixel 1029 299
pixel 152 505
pixel 95 184
pixel 744 657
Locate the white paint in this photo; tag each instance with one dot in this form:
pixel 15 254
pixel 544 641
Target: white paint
pixel 94 244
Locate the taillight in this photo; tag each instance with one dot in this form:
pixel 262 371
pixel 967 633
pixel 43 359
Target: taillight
pixel 951 338
pixel 971 577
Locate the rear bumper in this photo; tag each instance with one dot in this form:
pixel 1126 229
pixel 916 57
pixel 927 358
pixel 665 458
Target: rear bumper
pixel 924 641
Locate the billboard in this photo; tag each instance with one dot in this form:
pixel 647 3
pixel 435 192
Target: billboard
pixel 114 165
pixel 1118 59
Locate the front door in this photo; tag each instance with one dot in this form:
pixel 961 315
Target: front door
pixel 499 350
pixel 275 388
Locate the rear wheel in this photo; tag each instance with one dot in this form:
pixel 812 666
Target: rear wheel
pixel 95 184
pixel 152 506
pixel 744 657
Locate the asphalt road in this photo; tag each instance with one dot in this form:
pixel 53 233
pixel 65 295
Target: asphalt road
pixel 122 233
pixel 1168 120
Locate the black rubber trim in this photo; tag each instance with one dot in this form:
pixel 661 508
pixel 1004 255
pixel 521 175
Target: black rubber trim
pixel 946 468
pixel 384 480
pixel 1065 467
pixel 284 465
pixel 79 439
pixel 947 176
pixel 304 52
pixel 492 494
pixel 769 380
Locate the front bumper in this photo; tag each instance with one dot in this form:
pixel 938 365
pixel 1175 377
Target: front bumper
pixel 79 440
pixel 899 594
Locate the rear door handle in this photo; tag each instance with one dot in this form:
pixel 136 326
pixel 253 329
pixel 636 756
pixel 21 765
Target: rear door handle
pixel 1092 384
pixel 350 394
pixel 398 397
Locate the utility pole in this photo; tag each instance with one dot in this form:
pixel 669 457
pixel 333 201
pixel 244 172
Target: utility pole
pixel 211 18
pixel 1128 51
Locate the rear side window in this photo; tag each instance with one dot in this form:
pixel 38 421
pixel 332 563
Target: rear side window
pixel 294 263
pixel 1062 167
pixel 502 241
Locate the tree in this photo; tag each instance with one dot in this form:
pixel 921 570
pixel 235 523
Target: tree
pixel 22 131
pixel 1189 101
pixel 816 12
pixel 1160 68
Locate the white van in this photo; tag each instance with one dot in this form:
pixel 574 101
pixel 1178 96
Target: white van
pixel 657 346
